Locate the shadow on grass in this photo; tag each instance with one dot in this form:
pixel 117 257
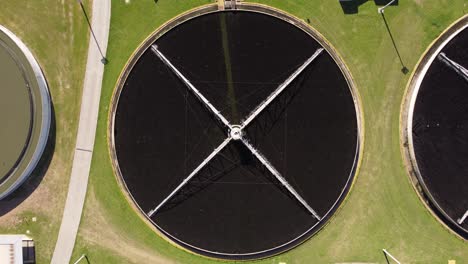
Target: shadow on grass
pixel 404 70
pixel 386 258
pixel 352 6
pixel 27 188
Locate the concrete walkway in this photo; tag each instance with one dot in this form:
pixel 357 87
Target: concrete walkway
pixel 86 134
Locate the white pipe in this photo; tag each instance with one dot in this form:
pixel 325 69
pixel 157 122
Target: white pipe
pixel 82 256
pixel 461 220
pixel 390 255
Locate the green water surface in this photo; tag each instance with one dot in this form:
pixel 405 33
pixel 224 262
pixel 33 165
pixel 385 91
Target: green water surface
pixel 15 111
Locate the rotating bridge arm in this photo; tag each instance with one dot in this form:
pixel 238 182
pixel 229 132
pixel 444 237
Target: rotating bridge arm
pixel 192 88
pixel 463 218
pixel 463 72
pixel 194 172
pixel 280 89
pixel 280 178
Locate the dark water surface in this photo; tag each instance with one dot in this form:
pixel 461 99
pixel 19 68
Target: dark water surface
pixel 440 131
pixel 309 133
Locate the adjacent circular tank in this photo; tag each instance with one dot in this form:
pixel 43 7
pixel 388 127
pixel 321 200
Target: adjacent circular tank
pixel 436 127
pixel 25 112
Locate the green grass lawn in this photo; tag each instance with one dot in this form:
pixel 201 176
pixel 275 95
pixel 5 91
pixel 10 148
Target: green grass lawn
pixel 381 211
pixel 56 33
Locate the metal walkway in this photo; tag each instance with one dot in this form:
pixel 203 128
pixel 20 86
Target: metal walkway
pixel 192 88
pixel 194 172
pixel 280 178
pixel 280 89
pixel 235 132
pixel 455 66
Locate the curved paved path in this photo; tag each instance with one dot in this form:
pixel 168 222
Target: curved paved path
pixel 86 134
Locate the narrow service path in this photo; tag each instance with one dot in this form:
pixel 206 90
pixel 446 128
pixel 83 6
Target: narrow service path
pixel 86 134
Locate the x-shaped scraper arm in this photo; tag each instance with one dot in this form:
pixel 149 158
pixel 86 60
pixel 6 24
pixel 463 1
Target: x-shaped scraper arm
pixel 235 132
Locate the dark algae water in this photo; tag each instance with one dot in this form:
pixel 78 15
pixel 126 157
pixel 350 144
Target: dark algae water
pixel 440 132
pixel 235 208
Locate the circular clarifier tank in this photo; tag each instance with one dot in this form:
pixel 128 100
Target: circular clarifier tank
pixel 25 112
pixel 236 133
pixel 437 127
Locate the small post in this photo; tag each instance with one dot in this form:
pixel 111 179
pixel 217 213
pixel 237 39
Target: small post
pixel 381 9
pixel 386 253
pixel 81 258
pixel 404 70
pixel 103 59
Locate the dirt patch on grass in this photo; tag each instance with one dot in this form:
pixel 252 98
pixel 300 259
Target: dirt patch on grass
pixel 419 2
pixel 98 231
